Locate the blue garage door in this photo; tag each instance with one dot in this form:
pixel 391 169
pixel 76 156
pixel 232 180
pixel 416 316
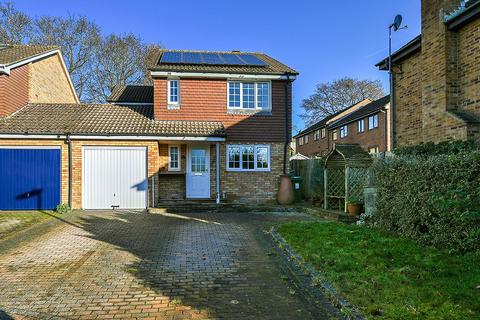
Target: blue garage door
pixel 29 179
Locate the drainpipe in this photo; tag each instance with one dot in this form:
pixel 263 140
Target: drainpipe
pixel 69 142
pixel 217 170
pixel 287 135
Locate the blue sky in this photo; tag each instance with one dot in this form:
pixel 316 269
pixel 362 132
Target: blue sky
pixel 323 40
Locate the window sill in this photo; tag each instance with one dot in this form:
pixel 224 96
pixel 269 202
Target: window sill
pixel 173 106
pixel 249 112
pixel 247 170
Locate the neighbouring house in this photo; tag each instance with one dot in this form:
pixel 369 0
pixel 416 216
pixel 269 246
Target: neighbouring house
pixel 436 76
pixel 365 123
pixel 32 74
pixel 214 125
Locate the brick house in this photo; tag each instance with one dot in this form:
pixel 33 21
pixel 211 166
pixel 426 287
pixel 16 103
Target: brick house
pixel 214 125
pixel 436 76
pixel 365 123
pixel 26 74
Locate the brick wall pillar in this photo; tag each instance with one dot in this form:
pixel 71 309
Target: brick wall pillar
pixel 439 68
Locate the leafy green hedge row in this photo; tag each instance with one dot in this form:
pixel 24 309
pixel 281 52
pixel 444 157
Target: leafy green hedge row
pixel 434 200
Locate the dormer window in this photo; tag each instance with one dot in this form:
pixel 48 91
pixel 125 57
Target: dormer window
pixel 249 95
pixel 173 92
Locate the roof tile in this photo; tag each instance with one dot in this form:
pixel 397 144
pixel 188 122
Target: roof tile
pixel 10 54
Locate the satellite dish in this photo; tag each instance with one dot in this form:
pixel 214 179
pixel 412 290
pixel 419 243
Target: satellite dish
pixel 397 22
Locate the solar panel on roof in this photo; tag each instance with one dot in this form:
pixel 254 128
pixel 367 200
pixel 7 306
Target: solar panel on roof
pixel 211 58
pixel 252 60
pixel 192 58
pixel 171 57
pixel 231 59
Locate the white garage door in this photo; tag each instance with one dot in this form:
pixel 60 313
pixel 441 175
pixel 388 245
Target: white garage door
pixel 114 176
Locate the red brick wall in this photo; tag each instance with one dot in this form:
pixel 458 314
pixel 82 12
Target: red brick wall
pixel 14 90
pixel 206 100
pixel 366 139
pixel 313 147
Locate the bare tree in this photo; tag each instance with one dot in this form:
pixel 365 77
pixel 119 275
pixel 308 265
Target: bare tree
pixel 15 26
pixel 77 37
pixel 118 60
pixel 151 55
pixel 331 97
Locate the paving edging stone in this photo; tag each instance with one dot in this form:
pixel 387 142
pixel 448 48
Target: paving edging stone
pixel 317 285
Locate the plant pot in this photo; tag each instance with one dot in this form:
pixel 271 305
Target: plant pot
pixel 354 209
pixel 285 191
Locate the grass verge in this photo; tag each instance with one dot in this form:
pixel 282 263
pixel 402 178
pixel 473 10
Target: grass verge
pixel 386 276
pixel 14 221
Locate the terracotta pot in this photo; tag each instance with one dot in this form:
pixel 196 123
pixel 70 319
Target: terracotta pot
pixel 285 191
pixel 354 209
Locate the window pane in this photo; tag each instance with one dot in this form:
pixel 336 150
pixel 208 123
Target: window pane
pixel 263 95
pixel 248 157
pixel 234 157
pixel 174 158
pixel 248 95
pixel 262 157
pixel 234 94
pixel 173 91
pixel 198 160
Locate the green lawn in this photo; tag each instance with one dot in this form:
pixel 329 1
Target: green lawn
pixel 14 221
pixel 389 277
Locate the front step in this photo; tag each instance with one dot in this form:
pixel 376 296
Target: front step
pixel 188 206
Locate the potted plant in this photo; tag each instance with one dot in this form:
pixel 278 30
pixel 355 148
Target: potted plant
pixel 354 206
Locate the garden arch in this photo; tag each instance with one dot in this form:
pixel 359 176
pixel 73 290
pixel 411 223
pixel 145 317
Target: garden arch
pixel 345 175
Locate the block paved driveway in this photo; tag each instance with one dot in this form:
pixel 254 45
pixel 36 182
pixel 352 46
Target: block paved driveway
pixel 127 264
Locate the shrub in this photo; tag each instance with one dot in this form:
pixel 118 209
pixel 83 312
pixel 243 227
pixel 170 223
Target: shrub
pixel 62 208
pixel 434 200
pixel 430 149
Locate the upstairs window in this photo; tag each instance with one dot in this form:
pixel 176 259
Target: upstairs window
pixel 316 135
pixel 373 122
pixel 343 131
pixel 324 132
pixel 249 95
pixel 174 158
pixel 173 92
pixel 361 126
pixel 306 139
pixel 300 141
pixel 334 135
pixel 248 157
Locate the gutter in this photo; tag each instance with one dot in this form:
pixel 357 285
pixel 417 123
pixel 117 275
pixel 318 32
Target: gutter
pixel 109 137
pixel 469 14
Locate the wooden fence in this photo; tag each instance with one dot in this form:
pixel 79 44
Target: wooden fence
pixel 311 171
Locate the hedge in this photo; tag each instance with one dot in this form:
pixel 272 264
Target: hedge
pixel 432 199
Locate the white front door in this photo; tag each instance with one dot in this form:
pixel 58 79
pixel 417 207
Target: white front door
pixel 198 172
pixel 115 176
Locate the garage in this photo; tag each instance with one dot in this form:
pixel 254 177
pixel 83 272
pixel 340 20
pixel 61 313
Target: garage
pixel 114 177
pixel 29 178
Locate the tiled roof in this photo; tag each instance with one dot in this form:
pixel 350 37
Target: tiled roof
pixel 101 119
pixel 323 123
pixel 10 54
pixel 131 94
pixel 371 108
pixel 272 66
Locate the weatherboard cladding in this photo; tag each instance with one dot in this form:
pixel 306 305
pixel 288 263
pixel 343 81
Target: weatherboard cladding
pixel 271 66
pixel 10 54
pixel 107 119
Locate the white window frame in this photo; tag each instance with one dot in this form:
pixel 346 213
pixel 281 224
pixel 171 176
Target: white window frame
pixel 362 127
pixel 316 135
pixel 255 107
pixel 375 123
pixel 306 139
pixel 173 104
pixel 335 135
pixel 179 157
pixel 344 131
pixel 323 134
pixel 255 146
pixel 300 141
